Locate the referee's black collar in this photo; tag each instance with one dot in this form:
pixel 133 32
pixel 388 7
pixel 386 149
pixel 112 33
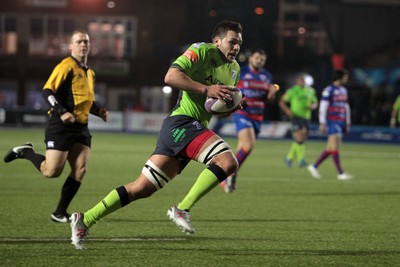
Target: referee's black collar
pixel 80 64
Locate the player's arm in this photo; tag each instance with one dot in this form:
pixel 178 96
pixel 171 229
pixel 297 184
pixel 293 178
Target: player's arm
pixel 62 73
pixel 395 111
pixel 272 89
pixel 99 111
pixel 284 107
pixel 323 111
pixel 314 100
pixel 393 118
pixel 348 117
pixel 177 78
pixel 56 107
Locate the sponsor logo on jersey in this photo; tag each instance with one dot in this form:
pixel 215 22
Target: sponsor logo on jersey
pixel 52 100
pixel 254 84
pixel 247 76
pixel 178 134
pixel 191 55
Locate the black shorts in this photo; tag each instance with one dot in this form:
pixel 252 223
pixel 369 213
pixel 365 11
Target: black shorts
pixel 299 123
pixel 60 136
pixel 175 134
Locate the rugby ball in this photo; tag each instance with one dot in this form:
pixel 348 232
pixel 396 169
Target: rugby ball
pixel 218 107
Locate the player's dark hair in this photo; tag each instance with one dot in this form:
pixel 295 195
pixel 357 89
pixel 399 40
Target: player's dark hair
pixel 339 74
pixel 226 25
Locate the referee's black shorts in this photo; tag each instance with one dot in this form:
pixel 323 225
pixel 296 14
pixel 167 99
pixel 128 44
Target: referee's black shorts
pixel 60 136
pixel 300 123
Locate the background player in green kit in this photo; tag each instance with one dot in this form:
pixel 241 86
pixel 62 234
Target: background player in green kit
pixel 302 100
pixel 204 70
pixel 395 116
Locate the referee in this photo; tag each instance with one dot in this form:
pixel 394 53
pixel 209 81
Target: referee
pixel 70 93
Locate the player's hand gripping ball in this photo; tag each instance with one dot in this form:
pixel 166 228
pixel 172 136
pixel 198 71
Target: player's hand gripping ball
pixel 224 107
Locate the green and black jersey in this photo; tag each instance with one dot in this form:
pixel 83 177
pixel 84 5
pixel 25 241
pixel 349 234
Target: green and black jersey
pixel 300 99
pixel 203 63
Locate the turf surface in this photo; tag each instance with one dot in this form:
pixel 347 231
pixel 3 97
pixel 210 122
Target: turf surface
pixel 279 216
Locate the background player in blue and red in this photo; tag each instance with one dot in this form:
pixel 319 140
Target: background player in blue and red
pixel 257 87
pixel 334 119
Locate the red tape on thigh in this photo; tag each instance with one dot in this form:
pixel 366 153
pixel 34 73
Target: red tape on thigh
pixel 191 150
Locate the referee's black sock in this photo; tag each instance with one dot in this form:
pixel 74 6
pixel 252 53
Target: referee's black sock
pixel 36 159
pixel 68 191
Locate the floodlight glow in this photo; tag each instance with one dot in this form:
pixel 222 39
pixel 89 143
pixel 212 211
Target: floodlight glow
pixel 167 90
pixel 111 4
pixel 301 30
pixel 259 10
pixel 308 80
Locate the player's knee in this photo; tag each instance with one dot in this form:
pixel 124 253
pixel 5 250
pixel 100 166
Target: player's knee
pixel 140 188
pixel 80 173
pixel 232 166
pixel 52 173
pixel 223 168
pixel 227 162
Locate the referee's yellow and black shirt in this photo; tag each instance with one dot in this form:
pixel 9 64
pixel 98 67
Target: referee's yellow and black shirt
pixel 73 86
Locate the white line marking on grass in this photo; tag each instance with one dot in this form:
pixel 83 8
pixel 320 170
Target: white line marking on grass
pixel 111 239
pixel 365 154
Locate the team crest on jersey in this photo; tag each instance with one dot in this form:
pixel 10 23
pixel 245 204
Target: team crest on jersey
pixel 197 125
pixel 234 73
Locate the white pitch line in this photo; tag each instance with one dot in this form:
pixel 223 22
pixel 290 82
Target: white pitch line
pixel 111 239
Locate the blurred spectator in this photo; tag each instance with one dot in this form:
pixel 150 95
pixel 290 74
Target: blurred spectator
pixel 360 100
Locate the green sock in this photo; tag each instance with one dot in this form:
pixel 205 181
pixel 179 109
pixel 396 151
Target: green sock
pixel 301 151
pixel 292 152
pixel 109 204
pixel 205 182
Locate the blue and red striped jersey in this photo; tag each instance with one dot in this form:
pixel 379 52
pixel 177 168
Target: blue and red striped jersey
pixel 254 85
pixel 338 100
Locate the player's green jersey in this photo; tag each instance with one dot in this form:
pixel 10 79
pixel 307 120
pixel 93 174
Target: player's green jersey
pixel 396 106
pixel 203 63
pixel 300 100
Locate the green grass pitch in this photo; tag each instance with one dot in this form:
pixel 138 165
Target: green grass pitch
pixel 279 216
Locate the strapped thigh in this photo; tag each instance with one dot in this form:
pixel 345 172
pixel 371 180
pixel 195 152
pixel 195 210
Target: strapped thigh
pixel 216 148
pixel 155 175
